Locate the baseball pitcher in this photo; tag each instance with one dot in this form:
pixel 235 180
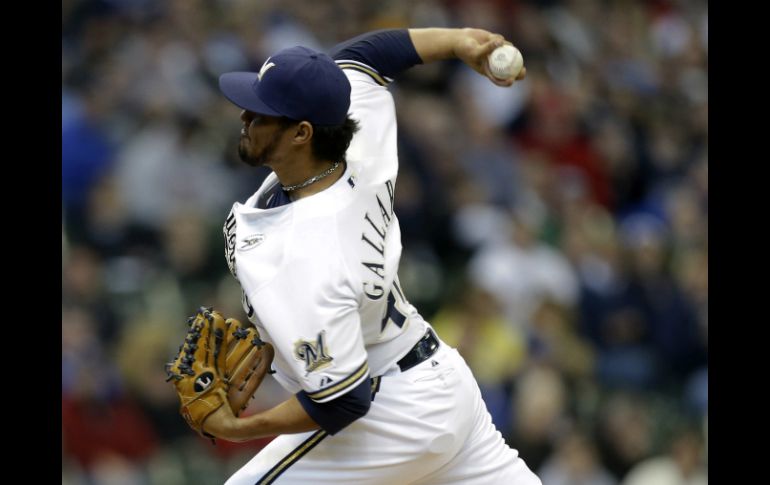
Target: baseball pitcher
pixel 377 397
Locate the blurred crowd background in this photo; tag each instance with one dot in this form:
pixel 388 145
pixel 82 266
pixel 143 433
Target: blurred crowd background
pixel 555 232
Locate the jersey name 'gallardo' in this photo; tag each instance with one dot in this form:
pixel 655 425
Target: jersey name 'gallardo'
pixel 374 239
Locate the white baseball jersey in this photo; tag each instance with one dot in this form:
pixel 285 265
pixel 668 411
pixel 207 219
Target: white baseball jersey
pixel 319 275
pixel 319 279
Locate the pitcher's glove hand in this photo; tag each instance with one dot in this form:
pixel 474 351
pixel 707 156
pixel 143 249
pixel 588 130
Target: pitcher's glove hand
pixel 248 360
pixel 220 362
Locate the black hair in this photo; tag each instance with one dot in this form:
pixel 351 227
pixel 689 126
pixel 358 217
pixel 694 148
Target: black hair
pixel 331 142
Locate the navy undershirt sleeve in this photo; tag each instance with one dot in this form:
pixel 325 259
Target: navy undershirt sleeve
pixel 334 415
pixel 388 51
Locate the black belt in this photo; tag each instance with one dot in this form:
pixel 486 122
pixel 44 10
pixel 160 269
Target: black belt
pixel 424 348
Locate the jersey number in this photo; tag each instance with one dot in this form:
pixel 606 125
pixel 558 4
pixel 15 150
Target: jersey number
pixel 393 314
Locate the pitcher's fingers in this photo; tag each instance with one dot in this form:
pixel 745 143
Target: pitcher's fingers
pixel 500 82
pixel 494 41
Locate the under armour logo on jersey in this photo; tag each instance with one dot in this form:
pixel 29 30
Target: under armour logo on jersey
pixel 433 363
pixel 265 67
pixel 325 381
pixel 250 242
pixel 203 382
pixel 315 354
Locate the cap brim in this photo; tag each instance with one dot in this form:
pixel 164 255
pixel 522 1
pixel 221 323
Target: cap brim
pixel 238 88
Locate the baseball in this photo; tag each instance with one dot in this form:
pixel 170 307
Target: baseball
pixel 505 62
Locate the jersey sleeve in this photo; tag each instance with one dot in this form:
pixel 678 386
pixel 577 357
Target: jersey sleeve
pixel 369 61
pixel 373 150
pixel 388 52
pixel 335 415
pixel 312 317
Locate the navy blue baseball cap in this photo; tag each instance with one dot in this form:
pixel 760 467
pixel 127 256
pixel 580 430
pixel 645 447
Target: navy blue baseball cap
pixel 297 83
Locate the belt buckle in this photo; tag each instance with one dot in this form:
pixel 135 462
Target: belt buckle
pixel 421 351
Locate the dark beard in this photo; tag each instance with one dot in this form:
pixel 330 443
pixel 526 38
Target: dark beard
pixel 262 158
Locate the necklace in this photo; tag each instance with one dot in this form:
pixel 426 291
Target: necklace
pixel 313 179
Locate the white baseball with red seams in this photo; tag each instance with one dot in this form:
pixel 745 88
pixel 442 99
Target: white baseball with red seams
pixel 505 62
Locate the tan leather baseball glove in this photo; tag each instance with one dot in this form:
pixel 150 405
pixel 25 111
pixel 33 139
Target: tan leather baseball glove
pixel 220 362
